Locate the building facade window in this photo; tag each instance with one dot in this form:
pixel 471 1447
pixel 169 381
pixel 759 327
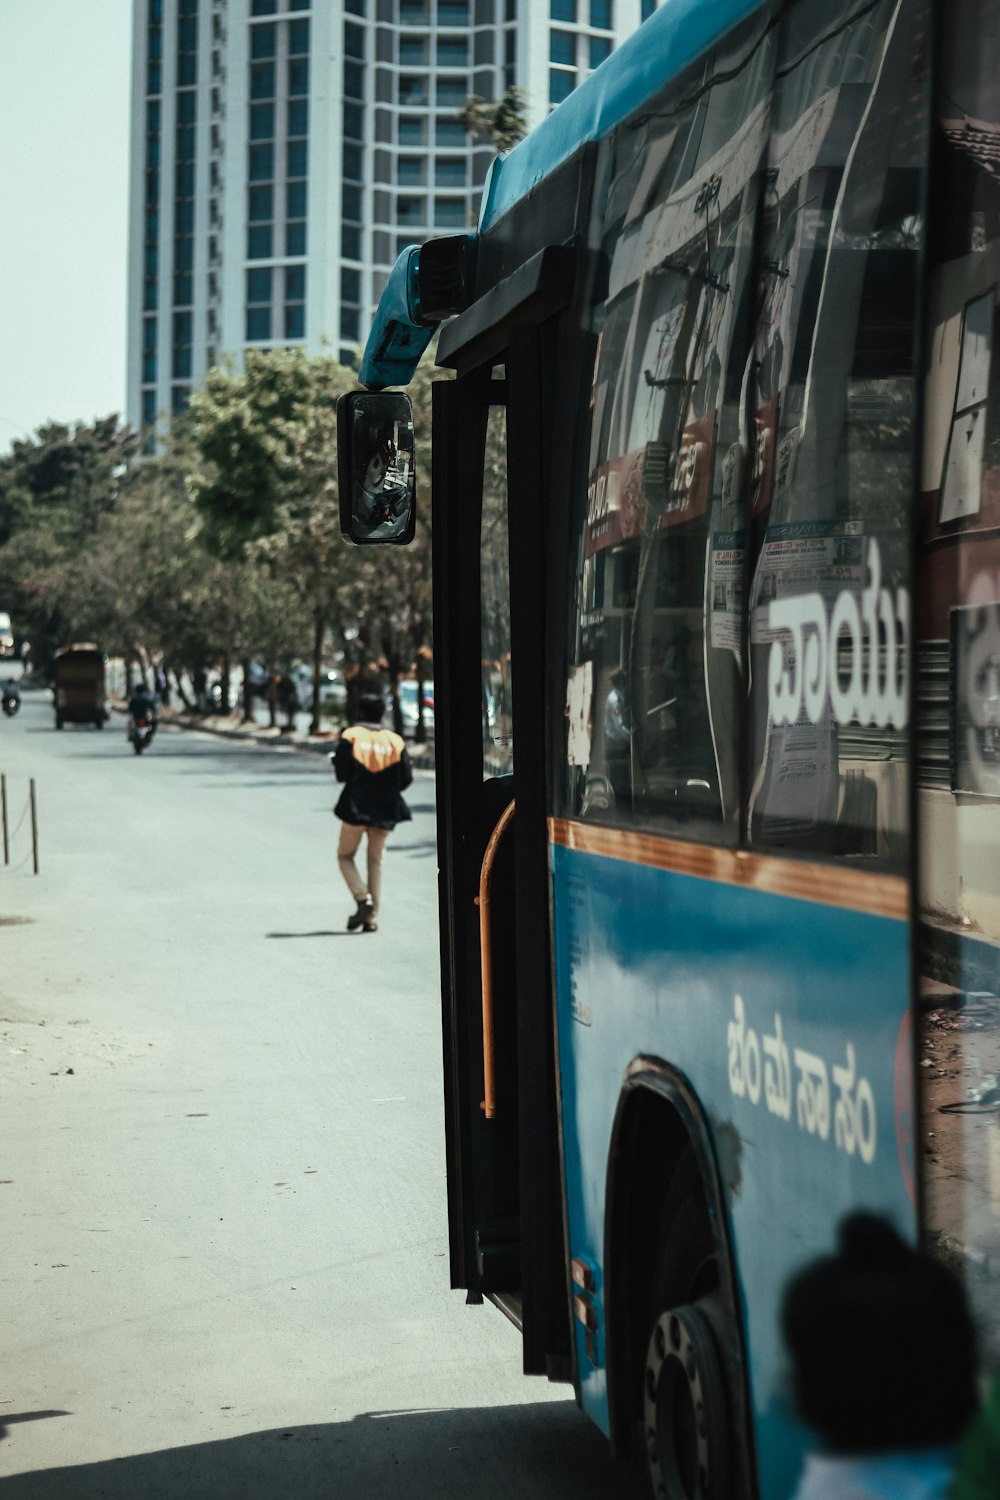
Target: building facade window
pixel 411 210
pixel 453 13
pixel 452 91
pixel 449 213
pixel 258 308
pixel 452 53
pixel 412 89
pixel 413 51
pixel 263 43
pixel 561 84
pixel 185 147
pixel 180 365
pixel 451 171
pixel 562 47
pixel 600 48
pixel 411 171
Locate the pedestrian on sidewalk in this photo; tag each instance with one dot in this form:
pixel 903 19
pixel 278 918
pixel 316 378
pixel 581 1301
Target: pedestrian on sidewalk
pixel 373 765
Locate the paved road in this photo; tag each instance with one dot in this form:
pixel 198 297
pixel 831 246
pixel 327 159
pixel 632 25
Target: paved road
pixel 224 1260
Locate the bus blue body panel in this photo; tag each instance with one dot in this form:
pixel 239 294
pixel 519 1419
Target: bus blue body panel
pixel 672 38
pixel 397 339
pixel 757 999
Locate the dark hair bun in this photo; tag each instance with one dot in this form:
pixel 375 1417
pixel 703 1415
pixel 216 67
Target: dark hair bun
pixel 868 1243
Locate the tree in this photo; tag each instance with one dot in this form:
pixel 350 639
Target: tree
pixel 502 124
pixel 56 489
pixel 266 488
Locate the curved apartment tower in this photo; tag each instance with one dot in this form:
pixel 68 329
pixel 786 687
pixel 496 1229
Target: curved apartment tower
pixel 285 151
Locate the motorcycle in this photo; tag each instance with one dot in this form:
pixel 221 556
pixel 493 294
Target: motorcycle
pixel 141 732
pixel 11 700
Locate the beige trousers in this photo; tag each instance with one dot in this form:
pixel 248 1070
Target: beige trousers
pixel 350 842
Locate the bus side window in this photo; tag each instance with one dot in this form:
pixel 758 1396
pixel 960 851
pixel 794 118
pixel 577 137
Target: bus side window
pixel 834 403
pixel 958 685
pixel 657 625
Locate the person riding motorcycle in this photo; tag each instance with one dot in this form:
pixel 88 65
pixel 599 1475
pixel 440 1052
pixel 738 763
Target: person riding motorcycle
pixel 141 705
pixel 11 698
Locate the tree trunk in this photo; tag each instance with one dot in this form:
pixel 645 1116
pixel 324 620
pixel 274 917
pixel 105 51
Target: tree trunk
pixel 397 712
pixel 420 733
pixel 272 697
pixel 182 695
pixel 319 633
pixel 225 702
pixel 247 692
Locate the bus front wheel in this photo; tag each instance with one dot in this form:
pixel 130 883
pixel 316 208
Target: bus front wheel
pixel 686 1410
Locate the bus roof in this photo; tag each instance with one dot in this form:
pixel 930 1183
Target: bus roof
pixel 676 34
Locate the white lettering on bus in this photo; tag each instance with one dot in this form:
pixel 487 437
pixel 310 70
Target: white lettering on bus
pixel 805 671
pixel 854 1117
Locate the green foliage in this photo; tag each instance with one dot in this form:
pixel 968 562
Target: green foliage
pixel 248 429
pixel 56 488
pixel 502 124
pixel 224 545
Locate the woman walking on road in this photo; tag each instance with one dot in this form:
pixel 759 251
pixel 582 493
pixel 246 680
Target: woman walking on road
pixel 373 765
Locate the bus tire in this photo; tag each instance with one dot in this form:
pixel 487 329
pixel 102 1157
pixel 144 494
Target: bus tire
pixel 686 1408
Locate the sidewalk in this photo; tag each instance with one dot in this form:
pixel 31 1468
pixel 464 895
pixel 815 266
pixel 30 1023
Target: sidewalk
pixel 228 726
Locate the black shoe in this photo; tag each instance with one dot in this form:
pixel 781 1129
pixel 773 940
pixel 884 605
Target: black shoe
pixel 362 916
pixel 370 926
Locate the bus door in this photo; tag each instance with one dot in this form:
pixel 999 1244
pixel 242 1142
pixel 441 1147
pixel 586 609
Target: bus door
pixel 503 1168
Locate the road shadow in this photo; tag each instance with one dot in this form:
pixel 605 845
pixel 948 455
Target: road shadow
pixel 543 1452
pixel 319 933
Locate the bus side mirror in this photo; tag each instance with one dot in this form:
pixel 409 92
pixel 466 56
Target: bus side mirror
pixel 375 470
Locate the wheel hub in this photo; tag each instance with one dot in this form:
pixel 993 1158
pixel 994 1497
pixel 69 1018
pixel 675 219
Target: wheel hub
pixel 685 1417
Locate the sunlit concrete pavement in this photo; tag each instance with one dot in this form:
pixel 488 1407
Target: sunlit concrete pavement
pixel 224 1267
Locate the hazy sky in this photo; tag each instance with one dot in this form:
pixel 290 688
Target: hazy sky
pixel 64 115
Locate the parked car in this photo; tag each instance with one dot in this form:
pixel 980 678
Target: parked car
pixel 408 704
pixel 6 635
pixel 332 688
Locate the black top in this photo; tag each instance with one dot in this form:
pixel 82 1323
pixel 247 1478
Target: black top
pixel 376 770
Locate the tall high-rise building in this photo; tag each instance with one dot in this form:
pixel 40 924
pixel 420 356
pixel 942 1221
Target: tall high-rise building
pixel 285 151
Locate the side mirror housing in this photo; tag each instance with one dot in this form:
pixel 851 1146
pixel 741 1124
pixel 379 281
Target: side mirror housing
pixel 375 467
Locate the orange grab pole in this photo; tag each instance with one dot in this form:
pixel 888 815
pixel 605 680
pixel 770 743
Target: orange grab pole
pixel 489 1104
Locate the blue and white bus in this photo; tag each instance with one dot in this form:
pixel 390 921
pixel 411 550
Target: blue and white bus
pixel 716 529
